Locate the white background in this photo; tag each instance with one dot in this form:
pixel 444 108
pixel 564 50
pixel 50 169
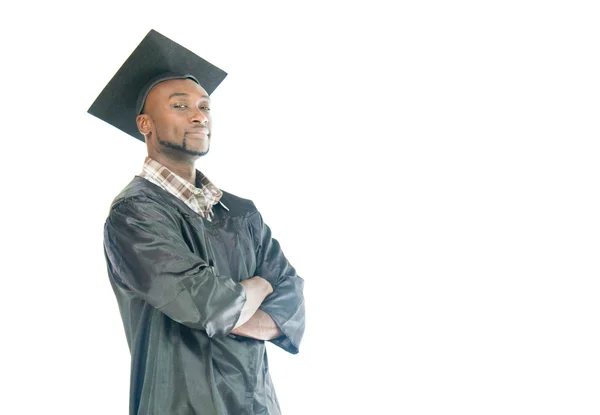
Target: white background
pixel 430 169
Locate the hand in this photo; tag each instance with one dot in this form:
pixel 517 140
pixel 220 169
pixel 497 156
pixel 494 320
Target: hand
pixel 258 283
pixel 260 326
pixel 257 289
pixel 269 287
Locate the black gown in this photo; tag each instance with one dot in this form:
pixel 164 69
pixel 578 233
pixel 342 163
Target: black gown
pixel 176 279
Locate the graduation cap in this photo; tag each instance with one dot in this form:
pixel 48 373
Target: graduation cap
pixel 156 59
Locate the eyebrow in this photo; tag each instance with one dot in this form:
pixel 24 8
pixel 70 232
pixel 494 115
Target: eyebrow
pixel 183 94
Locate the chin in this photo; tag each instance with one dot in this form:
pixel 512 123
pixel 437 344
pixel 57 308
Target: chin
pixel 201 151
pixel 198 151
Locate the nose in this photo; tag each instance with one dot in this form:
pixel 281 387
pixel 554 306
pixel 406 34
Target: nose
pixel 198 117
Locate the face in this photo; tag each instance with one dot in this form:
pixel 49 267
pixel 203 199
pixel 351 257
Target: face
pixel 176 119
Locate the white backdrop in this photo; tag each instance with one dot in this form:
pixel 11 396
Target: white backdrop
pixel 430 169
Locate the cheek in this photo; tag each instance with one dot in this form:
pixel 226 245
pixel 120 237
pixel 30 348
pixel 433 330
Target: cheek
pixel 173 126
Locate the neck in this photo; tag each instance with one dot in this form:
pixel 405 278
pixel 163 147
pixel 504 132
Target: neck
pixel 183 168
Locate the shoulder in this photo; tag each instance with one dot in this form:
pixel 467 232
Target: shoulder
pixel 141 196
pixel 238 206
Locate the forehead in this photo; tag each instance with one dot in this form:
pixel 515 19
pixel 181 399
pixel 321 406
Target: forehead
pixel 165 89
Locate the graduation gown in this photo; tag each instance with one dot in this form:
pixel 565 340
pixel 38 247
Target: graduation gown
pixel 175 276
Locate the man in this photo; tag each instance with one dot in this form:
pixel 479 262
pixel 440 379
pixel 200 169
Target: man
pixel 200 282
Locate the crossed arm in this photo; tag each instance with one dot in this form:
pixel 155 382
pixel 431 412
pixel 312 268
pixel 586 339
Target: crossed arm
pixel 147 255
pixel 260 326
pixel 280 316
pixel 255 323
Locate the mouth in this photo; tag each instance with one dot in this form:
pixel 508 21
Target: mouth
pixel 201 132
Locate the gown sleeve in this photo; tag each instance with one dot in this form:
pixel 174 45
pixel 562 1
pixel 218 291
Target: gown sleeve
pixel 146 253
pixel 286 304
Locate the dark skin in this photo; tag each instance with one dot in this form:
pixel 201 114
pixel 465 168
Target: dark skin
pixel 177 126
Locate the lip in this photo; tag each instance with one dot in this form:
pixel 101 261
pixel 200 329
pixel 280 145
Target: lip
pixel 198 132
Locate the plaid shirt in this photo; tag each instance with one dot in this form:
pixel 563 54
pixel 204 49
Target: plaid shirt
pixel 200 198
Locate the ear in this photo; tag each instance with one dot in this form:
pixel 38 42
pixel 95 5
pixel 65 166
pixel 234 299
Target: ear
pixel 144 123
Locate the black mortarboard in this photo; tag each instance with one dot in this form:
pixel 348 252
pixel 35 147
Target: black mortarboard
pixel 156 59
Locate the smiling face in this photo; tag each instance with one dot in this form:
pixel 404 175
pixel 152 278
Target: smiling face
pixel 176 120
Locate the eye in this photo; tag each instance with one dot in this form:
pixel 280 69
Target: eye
pixel 205 108
pixel 180 106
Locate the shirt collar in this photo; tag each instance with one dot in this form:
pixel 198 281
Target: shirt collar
pixel 205 193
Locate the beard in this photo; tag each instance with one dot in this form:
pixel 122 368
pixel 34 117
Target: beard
pixel 183 146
